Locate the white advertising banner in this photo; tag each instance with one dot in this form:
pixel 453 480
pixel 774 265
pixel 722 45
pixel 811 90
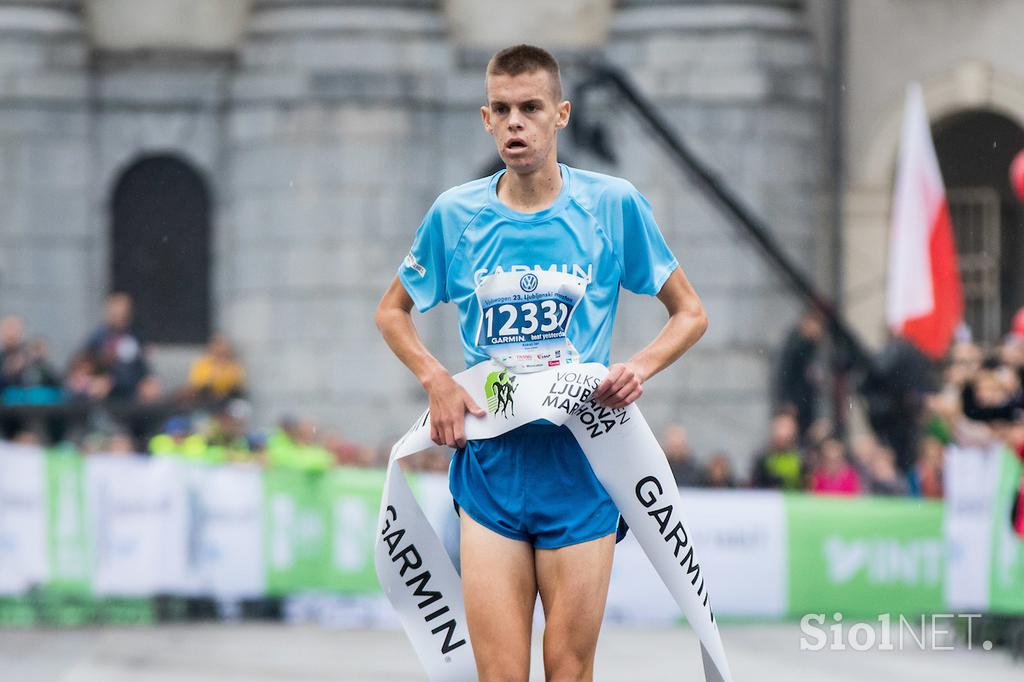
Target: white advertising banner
pixel 971 476
pixel 23 554
pixel 743 544
pixel 138 512
pixel 224 551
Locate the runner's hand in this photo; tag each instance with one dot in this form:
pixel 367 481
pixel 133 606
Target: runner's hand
pixel 448 405
pixel 620 387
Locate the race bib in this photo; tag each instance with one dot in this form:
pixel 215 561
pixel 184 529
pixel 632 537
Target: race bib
pixel 525 317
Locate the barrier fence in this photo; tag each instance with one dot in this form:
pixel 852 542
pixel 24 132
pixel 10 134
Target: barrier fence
pixel 101 536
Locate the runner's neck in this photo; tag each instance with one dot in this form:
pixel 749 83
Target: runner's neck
pixel 531 192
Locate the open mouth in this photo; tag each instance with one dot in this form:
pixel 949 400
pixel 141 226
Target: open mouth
pixel 515 143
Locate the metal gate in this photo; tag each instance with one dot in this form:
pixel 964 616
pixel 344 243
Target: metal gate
pixel 975 213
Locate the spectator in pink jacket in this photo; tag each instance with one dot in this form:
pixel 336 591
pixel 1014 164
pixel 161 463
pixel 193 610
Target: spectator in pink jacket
pixel 833 474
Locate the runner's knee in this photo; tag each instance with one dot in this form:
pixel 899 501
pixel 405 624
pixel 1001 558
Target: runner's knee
pixel 503 668
pixel 568 653
pixel 568 665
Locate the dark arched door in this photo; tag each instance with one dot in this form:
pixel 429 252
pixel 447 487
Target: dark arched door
pixel 975 149
pixel 160 249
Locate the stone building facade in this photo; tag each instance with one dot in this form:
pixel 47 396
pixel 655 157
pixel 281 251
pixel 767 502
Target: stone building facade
pixel 322 130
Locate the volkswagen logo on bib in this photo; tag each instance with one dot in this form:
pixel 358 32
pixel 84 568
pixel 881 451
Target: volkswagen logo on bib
pixel 528 283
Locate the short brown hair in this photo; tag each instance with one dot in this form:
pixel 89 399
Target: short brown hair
pixel 519 59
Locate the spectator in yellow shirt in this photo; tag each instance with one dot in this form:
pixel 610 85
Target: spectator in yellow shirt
pixel 217 375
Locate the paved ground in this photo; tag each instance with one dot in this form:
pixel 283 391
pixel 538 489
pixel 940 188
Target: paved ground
pixel 278 653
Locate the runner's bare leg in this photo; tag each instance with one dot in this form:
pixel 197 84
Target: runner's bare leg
pixel 573 584
pixel 500 589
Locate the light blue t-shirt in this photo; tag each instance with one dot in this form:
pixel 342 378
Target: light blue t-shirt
pixel 600 228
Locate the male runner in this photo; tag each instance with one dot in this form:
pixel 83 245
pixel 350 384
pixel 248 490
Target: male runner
pixel 534 517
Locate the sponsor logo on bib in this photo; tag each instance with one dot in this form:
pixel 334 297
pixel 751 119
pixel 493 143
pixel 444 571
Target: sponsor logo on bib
pixel 528 283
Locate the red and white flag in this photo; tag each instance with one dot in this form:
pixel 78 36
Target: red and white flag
pixel 925 303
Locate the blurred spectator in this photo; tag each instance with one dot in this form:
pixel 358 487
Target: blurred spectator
pixel 92 444
pixel 11 360
pixel 876 467
pixel 258 447
pixel 883 477
pixel 1011 354
pixel 108 442
pixel 799 374
pixel 39 371
pixel 863 450
pixel 217 374
pixel 993 394
pixel 178 440
pixel 23 365
pixel 897 392
pixel 965 360
pixel 680 456
pixel 11 351
pixel 925 477
pixel 294 445
pixel 345 452
pixel 718 473
pixel 781 464
pixel 833 474
pixel 120 443
pixel 84 381
pixel 27 377
pixel 26 438
pixel 227 439
pixel 819 431
pixel 943 412
pixel 116 352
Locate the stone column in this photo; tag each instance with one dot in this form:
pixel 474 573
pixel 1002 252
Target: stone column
pixel 335 151
pixel 489 25
pixel 739 82
pixel 45 234
pixel 166 24
pixel 159 86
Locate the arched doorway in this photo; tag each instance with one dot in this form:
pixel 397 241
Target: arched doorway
pixel 975 149
pixel 160 248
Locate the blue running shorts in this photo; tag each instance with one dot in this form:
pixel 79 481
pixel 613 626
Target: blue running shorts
pixel 532 484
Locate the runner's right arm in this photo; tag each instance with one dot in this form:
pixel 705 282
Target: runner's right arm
pixel 448 400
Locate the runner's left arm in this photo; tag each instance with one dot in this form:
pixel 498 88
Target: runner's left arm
pixel 687 321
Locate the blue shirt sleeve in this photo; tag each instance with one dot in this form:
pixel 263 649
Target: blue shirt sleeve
pixel 424 272
pixel 644 256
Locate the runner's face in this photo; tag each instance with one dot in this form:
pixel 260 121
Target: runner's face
pixel 523 116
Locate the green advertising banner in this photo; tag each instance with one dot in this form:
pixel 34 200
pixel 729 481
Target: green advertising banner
pixel 352 498
pixel 1007 578
pixel 68 542
pixel 295 530
pixel 864 556
pixel 318 530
